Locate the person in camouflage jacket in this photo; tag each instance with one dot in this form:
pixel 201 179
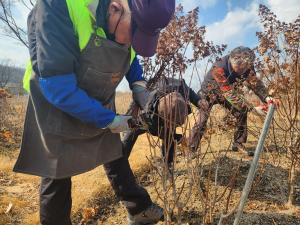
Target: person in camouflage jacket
pixel 221 85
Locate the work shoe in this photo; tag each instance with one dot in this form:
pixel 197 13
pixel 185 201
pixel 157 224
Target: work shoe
pixel 151 215
pixel 240 147
pixel 237 147
pixel 250 153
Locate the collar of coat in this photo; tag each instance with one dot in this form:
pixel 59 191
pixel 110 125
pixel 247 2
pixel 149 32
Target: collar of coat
pixel 92 5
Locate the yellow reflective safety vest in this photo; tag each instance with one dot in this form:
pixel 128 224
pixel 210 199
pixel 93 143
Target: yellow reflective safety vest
pixel 82 14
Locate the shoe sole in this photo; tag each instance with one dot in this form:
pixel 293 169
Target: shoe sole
pixel 145 223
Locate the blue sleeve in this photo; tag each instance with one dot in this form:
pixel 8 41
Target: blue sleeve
pixel 62 91
pixel 135 72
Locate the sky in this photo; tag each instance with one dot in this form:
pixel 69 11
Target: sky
pixel 231 22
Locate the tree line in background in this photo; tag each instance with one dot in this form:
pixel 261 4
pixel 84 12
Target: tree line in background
pixel 10 75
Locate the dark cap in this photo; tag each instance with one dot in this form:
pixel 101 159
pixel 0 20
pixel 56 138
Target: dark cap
pixel 173 108
pixel 149 17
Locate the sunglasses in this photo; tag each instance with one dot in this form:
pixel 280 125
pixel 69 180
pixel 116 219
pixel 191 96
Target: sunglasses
pixel 241 59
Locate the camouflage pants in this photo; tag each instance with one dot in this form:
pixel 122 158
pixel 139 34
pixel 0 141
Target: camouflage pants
pixel 207 102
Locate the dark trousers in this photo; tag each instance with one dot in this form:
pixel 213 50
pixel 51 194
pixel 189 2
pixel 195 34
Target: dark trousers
pixel 56 201
pixel 135 198
pixel 167 148
pixel 240 135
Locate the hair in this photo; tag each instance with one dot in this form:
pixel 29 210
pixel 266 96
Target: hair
pixel 243 49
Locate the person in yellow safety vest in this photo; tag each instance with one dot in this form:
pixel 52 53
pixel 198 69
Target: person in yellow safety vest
pixel 80 50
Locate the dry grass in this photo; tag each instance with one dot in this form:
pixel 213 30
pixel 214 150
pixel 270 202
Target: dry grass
pixel 123 100
pixel 22 190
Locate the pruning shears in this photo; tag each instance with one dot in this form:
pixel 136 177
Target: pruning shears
pixel 137 123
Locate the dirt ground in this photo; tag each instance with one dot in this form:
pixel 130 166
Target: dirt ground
pixel 266 204
pixel 94 202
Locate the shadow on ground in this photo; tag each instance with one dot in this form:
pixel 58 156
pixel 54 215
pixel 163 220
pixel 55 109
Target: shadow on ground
pixel 195 218
pixel 270 187
pixel 102 206
pixel 266 219
pixel 270 184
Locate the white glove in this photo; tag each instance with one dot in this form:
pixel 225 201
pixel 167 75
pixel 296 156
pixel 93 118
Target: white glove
pixel 120 124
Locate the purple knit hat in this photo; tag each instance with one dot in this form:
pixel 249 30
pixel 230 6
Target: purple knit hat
pixel 149 17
